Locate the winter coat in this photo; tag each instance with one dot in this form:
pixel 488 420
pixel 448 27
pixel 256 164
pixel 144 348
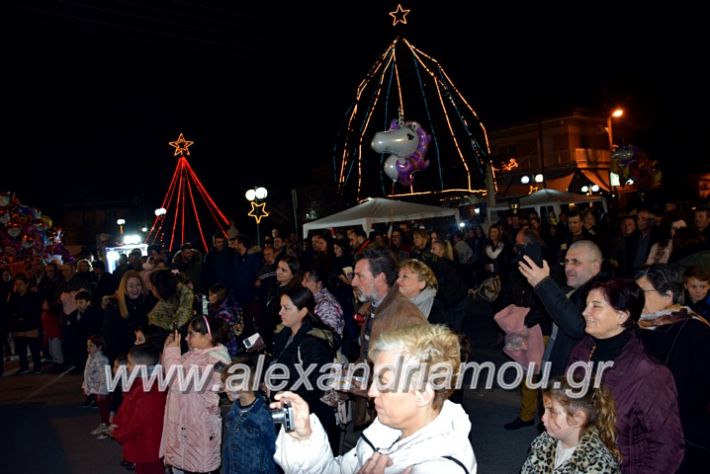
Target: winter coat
pixel 567 315
pixel 177 308
pixel 250 440
pixel 118 331
pixel 440 447
pixel 680 340
pixel 25 312
pixel 394 312
pixel 95 374
pixel 140 423
pixel 310 345
pixel 590 456
pixel 192 429
pixel 649 434
pixel 191 269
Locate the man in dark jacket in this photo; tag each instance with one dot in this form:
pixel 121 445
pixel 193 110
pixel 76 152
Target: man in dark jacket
pixel 583 263
pixel 25 309
pixel 219 261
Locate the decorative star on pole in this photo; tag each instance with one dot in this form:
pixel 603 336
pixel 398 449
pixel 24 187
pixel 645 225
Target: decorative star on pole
pixel 258 211
pixel 399 15
pixel 181 146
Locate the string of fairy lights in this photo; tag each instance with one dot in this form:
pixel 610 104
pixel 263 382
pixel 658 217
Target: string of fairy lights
pixel 179 202
pixel 403 78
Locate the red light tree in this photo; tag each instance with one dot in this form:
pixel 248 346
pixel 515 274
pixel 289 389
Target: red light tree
pixel 180 209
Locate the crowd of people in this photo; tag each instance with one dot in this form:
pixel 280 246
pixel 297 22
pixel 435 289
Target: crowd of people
pixel 632 289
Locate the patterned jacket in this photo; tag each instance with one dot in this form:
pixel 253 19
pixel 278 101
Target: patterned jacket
pixel 590 457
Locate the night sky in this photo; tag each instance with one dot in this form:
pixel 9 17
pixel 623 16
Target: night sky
pixel 94 90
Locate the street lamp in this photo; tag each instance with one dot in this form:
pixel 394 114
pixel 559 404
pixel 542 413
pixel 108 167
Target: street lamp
pixel 120 223
pixel 256 196
pixel 538 178
pixel 160 212
pixel 618 112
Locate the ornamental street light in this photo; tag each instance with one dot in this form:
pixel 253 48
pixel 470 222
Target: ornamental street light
pixel 256 196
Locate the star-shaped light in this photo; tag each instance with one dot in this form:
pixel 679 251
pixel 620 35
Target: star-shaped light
pixel 399 15
pixel 258 211
pixel 181 146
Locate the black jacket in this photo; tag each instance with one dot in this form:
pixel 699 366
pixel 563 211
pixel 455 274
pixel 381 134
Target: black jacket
pixel 567 314
pixel 310 345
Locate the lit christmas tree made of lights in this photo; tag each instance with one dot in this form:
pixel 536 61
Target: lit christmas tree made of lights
pixel 178 217
pixel 407 84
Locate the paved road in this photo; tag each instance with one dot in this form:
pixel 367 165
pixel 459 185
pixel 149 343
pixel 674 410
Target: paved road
pixel 46 430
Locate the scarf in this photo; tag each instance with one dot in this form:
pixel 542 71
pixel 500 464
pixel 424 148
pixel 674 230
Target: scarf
pixel 425 300
pixel 493 252
pixel 671 315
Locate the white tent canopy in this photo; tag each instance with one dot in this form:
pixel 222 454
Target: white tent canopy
pixel 549 197
pixel 379 210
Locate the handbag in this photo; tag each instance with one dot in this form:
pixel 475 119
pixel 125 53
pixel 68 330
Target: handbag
pixel 489 289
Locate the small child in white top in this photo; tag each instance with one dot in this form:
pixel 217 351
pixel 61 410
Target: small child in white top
pixel 95 382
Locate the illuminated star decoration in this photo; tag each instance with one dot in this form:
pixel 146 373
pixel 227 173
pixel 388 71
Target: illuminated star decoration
pixel 181 146
pixel 258 211
pixel 399 15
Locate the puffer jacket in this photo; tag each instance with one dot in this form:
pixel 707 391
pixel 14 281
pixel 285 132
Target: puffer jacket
pixel 649 434
pixel 192 429
pixel 590 456
pixel 442 446
pixel 140 423
pixel 177 308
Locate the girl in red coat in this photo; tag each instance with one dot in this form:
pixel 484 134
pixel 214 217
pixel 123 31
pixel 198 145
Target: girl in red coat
pixel 138 425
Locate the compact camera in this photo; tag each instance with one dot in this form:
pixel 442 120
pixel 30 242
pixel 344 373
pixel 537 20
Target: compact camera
pixel 284 415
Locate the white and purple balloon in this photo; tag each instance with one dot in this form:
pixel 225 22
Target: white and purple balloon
pixel 407 144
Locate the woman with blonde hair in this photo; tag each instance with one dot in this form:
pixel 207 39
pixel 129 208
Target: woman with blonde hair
pixel 417 282
pixel 416 430
pixel 125 311
pixel 580 431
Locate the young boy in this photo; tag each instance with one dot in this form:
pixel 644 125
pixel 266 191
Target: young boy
pixel 249 434
pixel 697 284
pixel 138 425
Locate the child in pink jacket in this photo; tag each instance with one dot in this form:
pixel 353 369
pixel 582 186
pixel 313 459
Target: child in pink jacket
pixel 192 430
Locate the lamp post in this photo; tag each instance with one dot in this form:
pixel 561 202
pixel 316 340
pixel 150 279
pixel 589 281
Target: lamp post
pixel 256 196
pixel 618 112
pixel 121 223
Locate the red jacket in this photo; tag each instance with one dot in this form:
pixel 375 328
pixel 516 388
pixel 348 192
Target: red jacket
pixel 140 423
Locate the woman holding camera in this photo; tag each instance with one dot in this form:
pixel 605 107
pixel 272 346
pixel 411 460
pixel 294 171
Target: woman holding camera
pixel 305 341
pixel 415 371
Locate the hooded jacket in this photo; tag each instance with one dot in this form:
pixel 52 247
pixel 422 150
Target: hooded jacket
pixel 192 429
pixel 442 446
pixel 140 423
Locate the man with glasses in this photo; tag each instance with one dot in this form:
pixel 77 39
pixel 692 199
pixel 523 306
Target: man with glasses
pixel 583 263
